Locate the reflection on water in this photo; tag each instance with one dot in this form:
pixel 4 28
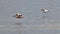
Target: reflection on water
pixel 19 23
pixel 20 27
pixel 45 19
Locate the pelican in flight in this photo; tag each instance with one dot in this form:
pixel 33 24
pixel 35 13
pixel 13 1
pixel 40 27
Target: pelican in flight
pixel 44 10
pixel 18 15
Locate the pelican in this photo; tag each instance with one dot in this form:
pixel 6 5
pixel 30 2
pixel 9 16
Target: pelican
pixel 18 15
pixel 44 10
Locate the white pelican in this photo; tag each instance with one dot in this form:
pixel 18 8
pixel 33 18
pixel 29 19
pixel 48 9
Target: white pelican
pixel 44 10
pixel 18 15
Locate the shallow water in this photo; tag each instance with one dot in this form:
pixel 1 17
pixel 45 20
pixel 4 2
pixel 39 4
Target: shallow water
pixel 34 21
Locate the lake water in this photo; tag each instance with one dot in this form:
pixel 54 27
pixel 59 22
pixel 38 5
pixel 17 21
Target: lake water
pixel 34 21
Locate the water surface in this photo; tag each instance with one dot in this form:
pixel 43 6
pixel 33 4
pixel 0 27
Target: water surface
pixel 34 21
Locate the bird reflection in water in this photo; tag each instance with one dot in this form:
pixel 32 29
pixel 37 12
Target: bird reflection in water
pixel 19 23
pixel 45 19
pixel 20 27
